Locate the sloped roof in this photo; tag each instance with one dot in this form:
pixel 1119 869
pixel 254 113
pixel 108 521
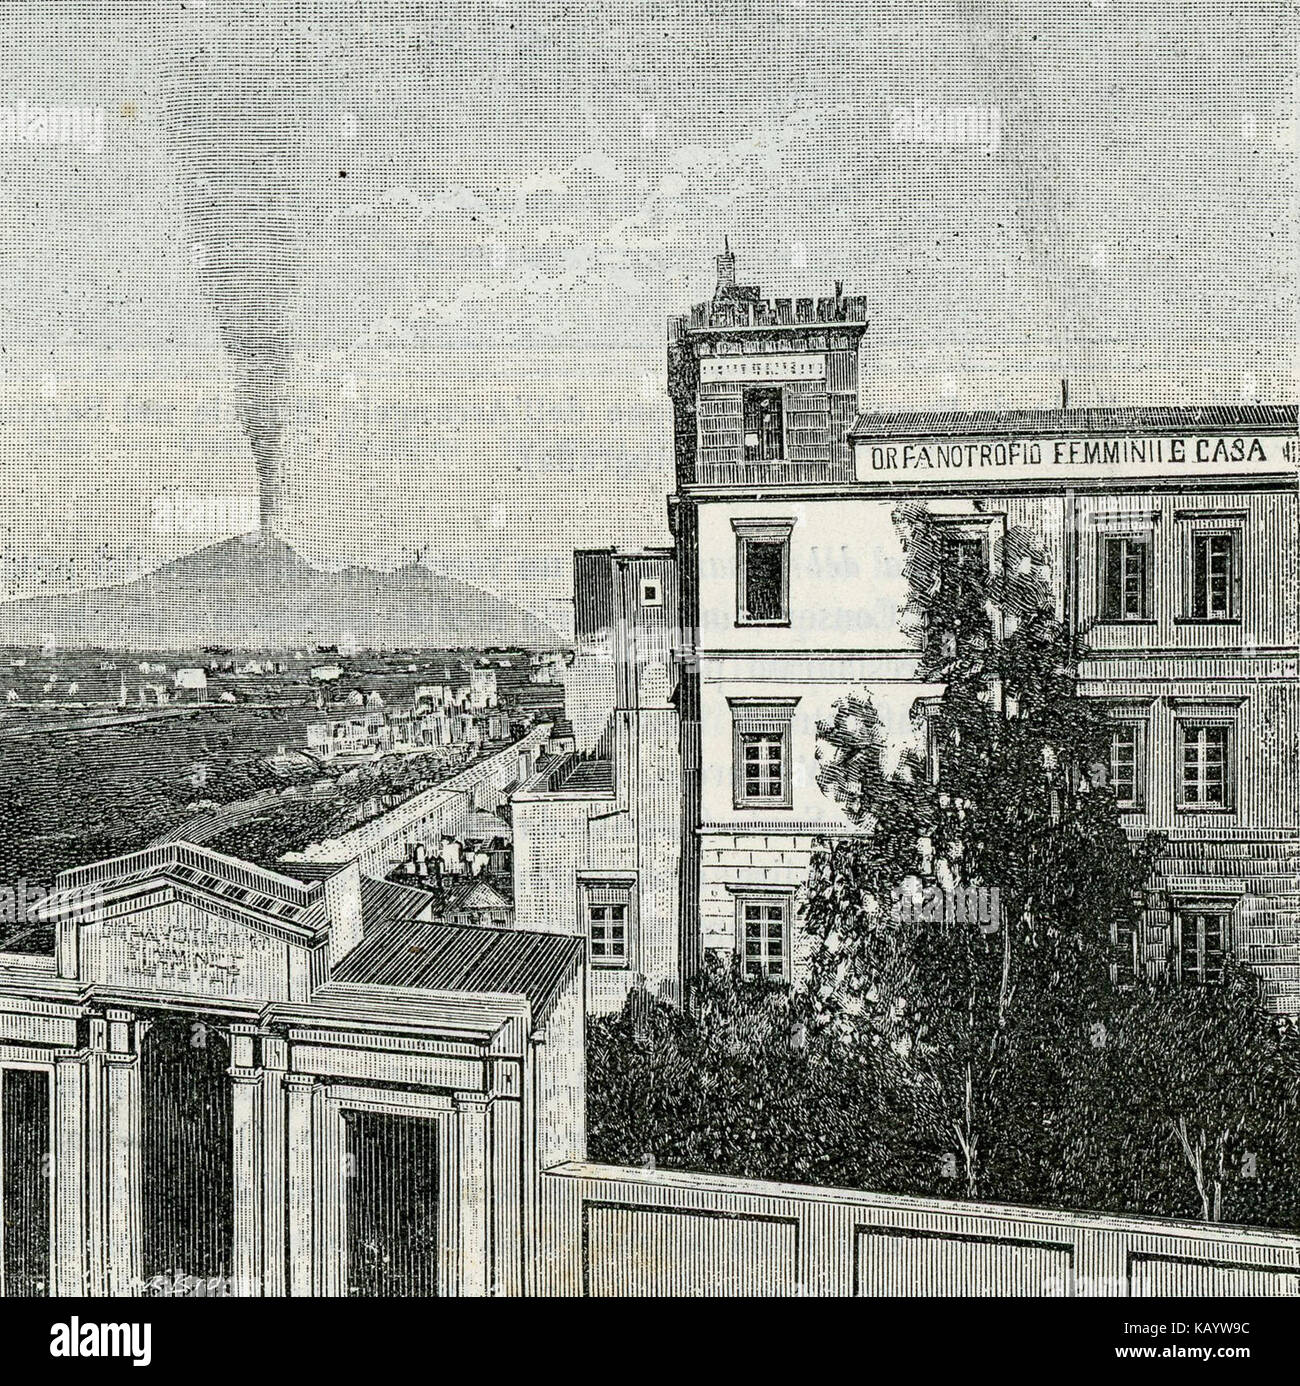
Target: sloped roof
pixel 465 957
pixel 383 902
pixel 271 894
pixel 472 892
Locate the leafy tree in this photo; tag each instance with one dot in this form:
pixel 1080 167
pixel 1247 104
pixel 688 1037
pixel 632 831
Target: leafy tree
pixel 1190 1107
pixel 733 1083
pixel 969 925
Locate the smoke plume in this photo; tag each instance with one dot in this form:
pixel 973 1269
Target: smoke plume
pixel 229 137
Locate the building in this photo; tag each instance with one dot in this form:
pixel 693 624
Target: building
pixel 233 1081
pixel 250 1083
pixel 1172 536
pixel 191 685
pixel 597 831
pixel 474 900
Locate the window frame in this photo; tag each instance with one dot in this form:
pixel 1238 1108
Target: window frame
pixel 770 718
pixel 648 585
pixel 782 900
pixel 1143 542
pixel 1127 719
pixel 768 392
pixel 1199 909
pixel 621 891
pixel 1200 526
pixel 984 528
pixel 1195 719
pixel 1126 953
pixel 761 531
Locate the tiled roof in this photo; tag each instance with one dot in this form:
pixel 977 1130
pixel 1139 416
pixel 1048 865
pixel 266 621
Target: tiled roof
pixel 463 957
pixel 1064 423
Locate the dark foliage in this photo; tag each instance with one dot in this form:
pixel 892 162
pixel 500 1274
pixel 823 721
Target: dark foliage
pixel 733 1083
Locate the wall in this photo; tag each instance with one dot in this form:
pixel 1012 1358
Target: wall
pixel 610 1231
pixel 380 845
pixel 633 832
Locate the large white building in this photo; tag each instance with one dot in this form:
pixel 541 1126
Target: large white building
pixel 1172 536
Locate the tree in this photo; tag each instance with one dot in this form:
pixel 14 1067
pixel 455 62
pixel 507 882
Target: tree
pixel 969 924
pixel 733 1083
pixel 1190 1107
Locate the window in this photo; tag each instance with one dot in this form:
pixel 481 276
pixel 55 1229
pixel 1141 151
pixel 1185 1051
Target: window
pixel 761 751
pixel 1205 779
pixel 1128 764
pixel 1126 579
pixel 764 935
pixel 608 906
pixel 764 424
pixel 1213 575
pixel 762 571
pixel 963 568
pixel 1125 945
pixel 763 764
pixel 652 593
pixel 964 555
pixel 1203 942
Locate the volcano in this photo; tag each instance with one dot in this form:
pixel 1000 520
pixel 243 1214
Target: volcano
pixel 258 593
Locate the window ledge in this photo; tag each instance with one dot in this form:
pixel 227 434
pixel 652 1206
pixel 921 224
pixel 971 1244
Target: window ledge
pixel 1126 621
pixel 1218 810
pixel 1207 620
pixel 742 622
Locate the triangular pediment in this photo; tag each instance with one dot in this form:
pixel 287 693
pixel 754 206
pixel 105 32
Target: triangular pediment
pixel 182 921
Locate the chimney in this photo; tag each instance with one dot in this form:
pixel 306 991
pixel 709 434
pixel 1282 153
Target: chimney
pixel 1065 394
pixel 726 268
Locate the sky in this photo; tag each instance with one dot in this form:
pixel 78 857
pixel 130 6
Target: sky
pixel 486 212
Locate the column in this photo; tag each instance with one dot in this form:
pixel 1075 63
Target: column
pixel 274 1174
pixel 473 1187
pixel 300 1102
pixel 121 1213
pixel 246 1161
pixel 70 1174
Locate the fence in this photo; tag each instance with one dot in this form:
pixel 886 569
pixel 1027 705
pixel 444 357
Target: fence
pixel 608 1231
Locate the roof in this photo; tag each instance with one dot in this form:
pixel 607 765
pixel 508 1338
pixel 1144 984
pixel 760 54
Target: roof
pixel 289 902
pixel 466 957
pixel 1063 423
pixel 384 902
pixel 482 826
pixel 472 892
pixel 594 776
pixel 310 870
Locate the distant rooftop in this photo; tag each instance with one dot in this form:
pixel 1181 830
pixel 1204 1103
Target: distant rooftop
pixel 1065 423
pixel 465 957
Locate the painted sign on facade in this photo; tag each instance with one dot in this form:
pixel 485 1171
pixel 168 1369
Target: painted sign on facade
pixel 1087 459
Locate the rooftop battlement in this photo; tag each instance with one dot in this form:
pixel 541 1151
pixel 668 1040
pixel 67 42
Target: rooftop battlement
pixel 742 306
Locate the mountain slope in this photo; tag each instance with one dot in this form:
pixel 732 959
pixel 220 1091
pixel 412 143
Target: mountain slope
pixel 253 593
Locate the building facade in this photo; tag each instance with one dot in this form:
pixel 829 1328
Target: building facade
pixel 597 832
pixel 227 1080
pixel 1172 540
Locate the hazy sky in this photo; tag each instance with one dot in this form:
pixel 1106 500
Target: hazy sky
pixel 493 208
